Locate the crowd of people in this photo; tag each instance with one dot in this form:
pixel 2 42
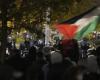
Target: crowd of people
pixel 61 61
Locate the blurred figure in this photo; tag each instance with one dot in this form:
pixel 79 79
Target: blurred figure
pixel 91 63
pixel 33 72
pixel 15 60
pixel 91 76
pixel 57 67
pixel 84 47
pixel 98 55
pixel 31 56
pixel 6 72
pixel 71 49
pixel 74 73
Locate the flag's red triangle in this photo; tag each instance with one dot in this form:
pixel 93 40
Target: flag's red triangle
pixel 68 30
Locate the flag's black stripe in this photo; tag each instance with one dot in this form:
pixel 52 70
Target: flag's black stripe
pixel 74 19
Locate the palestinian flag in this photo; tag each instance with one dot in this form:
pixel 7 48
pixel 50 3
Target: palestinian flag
pixel 79 26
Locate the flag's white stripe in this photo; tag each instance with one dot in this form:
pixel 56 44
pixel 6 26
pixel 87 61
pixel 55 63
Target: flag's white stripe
pixel 85 22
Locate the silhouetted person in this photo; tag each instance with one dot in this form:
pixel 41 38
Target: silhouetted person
pixel 71 49
pixel 6 72
pixel 98 55
pixel 15 60
pixel 74 73
pixel 57 66
pixel 31 56
pixel 91 76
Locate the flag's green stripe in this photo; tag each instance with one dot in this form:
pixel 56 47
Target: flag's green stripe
pixel 87 29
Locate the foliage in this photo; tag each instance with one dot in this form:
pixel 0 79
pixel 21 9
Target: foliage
pixel 34 10
pixel 29 13
pixel 98 28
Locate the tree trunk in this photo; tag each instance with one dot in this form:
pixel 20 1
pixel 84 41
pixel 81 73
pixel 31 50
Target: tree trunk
pixel 4 30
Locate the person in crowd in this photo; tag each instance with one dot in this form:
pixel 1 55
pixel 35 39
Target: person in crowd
pixel 74 73
pixel 57 66
pixel 10 47
pixel 98 55
pixel 91 63
pixel 91 76
pixel 6 72
pixel 24 48
pixel 71 49
pixel 31 56
pixel 35 72
pixel 84 47
pixel 15 60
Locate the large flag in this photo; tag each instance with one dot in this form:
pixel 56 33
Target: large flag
pixel 81 25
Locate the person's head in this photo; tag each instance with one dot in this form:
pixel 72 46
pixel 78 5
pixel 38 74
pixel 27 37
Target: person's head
pixel 32 49
pixel 46 51
pixel 56 57
pixel 85 39
pixel 26 42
